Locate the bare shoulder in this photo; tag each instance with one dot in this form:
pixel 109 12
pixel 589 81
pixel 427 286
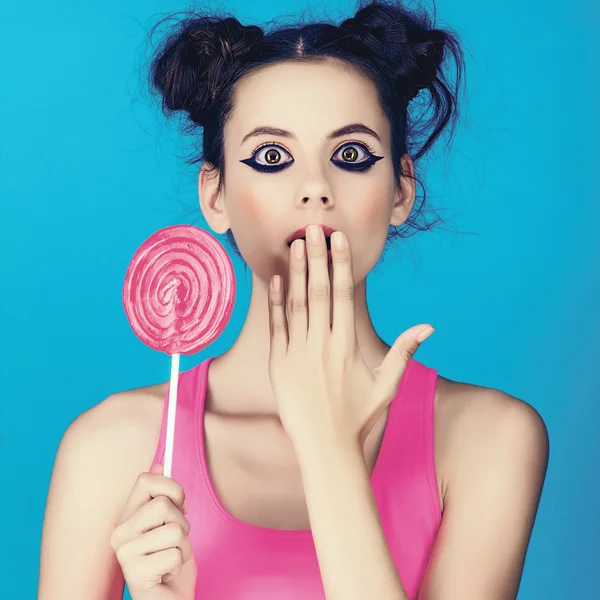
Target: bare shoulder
pixel 491 456
pixel 131 418
pixel 124 428
pixel 476 423
pixel 99 458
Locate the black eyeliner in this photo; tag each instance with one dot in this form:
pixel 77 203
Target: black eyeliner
pixel 360 166
pixel 251 162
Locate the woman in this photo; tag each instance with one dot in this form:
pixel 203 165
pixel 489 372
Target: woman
pixel 311 459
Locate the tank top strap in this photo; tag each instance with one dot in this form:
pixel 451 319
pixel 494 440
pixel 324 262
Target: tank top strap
pixel 409 459
pixel 187 390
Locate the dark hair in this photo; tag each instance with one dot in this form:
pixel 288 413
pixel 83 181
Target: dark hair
pixel 196 66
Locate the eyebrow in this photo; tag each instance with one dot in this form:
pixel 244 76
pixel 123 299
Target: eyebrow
pixel 346 130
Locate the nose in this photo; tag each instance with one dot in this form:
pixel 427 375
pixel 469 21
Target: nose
pixel 324 200
pixel 315 189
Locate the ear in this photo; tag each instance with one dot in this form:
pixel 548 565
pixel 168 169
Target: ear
pixel 405 196
pixel 211 200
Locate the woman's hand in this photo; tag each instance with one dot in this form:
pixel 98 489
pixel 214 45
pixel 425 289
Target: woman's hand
pixel 151 541
pixel 323 387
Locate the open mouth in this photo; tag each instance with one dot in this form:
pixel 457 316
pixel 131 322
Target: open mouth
pixel 327 241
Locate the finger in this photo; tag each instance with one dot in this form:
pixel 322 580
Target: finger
pixel 168 536
pixel 159 469
pixel 155 514
pixel 152 566
pixel 277 319
pixel 343 327
pixel 167 562
pixel 319 301
pixel 149 485
pixel 399 355
pixel 151 515
pixel 297 308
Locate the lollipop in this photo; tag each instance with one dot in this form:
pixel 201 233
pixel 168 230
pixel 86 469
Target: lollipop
pixel 178 296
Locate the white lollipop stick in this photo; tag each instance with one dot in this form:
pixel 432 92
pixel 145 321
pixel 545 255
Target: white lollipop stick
pixel 171 415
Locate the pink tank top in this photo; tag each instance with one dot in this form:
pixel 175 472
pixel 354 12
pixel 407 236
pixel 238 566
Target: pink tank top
pixel 240 561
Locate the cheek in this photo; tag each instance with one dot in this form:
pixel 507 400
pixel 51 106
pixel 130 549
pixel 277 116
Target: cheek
pixel 247 212
pixel 255 225
pixel 371 221
pixel 247 205
pixel 373 211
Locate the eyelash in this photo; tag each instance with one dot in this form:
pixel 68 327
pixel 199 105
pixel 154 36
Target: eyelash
pixel 363 165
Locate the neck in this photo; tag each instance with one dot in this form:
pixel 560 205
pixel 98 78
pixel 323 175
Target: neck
pixel 239 378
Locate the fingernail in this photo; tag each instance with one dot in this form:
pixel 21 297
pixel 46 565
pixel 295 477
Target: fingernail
pixel 313 233
pixel 298 248
pixel 338 240
pixel 423 335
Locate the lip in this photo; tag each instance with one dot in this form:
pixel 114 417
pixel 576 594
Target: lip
pixel 302 233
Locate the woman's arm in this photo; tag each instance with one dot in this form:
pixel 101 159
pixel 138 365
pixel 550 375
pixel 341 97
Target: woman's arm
pixel 499 460
pixel 354 558
pixel 492 498
pixel 93 472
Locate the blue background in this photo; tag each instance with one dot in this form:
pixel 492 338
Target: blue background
pixel 89 169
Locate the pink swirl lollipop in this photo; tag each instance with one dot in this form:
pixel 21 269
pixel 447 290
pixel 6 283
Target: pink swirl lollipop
pixel 178 296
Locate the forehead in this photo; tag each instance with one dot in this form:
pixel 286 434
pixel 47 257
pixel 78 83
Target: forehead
pixel 306 98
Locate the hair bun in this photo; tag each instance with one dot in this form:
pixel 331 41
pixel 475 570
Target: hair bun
pixel 226 41
pixel 195 61
pixel 429 54
pixel 410 46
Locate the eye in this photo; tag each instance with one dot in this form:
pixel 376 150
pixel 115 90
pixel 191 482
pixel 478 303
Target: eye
pixel 350 153
pixel 356 157
pixel 270 158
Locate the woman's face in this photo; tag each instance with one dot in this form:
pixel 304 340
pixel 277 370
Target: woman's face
pixel 302 175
